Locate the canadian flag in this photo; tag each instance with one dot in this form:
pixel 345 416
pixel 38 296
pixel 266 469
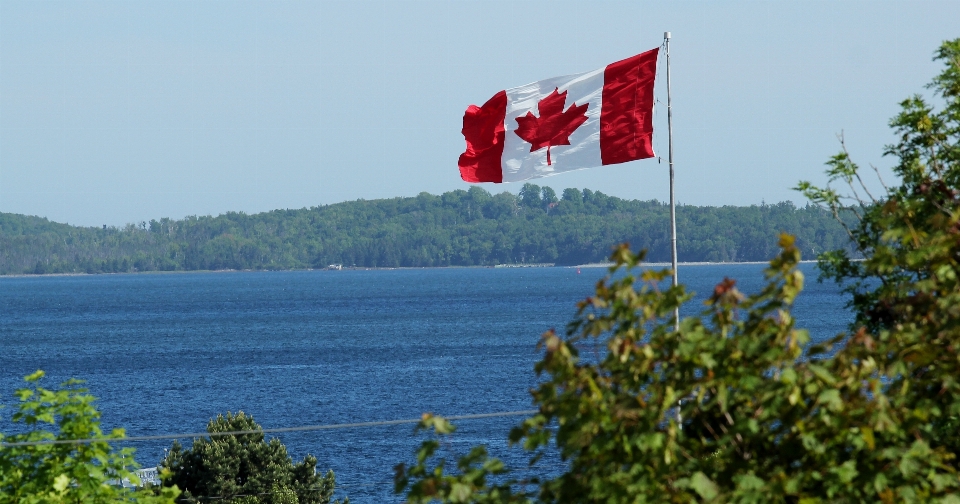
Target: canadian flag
pixel 561 124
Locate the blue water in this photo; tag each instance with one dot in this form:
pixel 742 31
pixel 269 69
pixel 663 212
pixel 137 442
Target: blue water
pixel 166 352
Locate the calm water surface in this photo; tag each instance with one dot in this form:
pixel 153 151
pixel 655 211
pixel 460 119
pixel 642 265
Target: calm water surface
pixel 166 352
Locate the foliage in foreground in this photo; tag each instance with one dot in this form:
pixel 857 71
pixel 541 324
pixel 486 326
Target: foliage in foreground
pixel 868 416
pixel 66 473
pixel 244 468
pixel 906 294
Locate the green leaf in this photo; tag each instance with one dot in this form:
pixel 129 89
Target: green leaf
pixel 846 471
pixel 460 492
pixel 61 482
pixel 704 486
pixel 750 482
pixel 831 399
pixel 35 376
pixel 822 373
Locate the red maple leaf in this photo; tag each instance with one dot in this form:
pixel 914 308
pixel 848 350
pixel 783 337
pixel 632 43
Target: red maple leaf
pixel 554 126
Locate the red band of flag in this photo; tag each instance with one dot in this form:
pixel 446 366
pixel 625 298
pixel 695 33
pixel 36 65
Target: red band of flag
pixel 484 132
pixel 626 122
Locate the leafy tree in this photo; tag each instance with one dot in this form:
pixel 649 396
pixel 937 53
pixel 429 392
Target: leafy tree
pixel 905 229
pixel 615 423
pixel 530 196
pixel 548 195
pixel 476 471
pixel 763 416
pixel 244 468
pixel 905 293
pixel 66 473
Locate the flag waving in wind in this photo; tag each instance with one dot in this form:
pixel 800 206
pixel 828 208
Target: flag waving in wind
pixel 561 124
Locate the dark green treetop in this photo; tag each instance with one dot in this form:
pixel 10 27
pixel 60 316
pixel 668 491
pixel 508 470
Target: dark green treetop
pixel 244 468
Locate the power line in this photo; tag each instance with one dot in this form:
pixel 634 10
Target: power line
pixel 132 439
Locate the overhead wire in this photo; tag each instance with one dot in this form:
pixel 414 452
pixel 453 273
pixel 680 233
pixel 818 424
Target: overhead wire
pixel 302 428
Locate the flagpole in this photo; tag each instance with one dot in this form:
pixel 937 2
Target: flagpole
pixel 673 206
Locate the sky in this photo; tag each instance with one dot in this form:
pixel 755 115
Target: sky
pixel 118 112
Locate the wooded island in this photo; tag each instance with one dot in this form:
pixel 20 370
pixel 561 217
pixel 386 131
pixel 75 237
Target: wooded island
pixel 457 228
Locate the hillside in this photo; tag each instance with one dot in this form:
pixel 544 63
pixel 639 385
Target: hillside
pixel 458 228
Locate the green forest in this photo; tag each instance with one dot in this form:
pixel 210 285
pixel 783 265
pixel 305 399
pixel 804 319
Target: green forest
pixel 457 228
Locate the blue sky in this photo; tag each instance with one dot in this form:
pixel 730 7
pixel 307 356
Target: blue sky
pixel 116 112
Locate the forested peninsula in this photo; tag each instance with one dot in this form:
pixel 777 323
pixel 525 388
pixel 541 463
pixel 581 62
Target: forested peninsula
pixel 457 228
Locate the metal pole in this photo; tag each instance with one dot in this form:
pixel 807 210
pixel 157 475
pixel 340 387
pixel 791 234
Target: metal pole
pixel 673 205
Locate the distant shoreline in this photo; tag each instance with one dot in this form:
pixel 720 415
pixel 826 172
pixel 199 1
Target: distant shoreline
pixel 351 268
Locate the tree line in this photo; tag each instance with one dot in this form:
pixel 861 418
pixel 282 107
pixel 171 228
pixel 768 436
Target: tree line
pixel 456 228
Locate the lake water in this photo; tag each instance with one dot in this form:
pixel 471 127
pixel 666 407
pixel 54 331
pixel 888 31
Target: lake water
pixel 166 352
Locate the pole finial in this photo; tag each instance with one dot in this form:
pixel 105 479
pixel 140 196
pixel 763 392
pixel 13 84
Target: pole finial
pixel 666 35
